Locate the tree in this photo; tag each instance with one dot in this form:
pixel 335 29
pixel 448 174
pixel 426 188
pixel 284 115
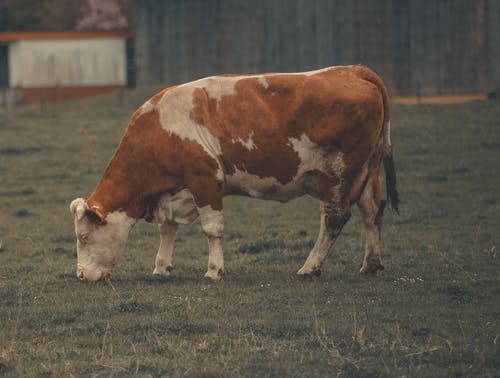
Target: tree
pixel 104 15
pixel 18 15
pixel 61 15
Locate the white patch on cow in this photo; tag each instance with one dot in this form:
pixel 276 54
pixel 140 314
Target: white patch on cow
pixel 249 144
pixel 216 86
pixel 314 72
pixel 212 221
pixel 321 70
pixel 121 220
pixel 147 107
pixel 309 152
pixel 337 166
pixel 175 116
pixel 220 87
pixel 307 73
pixel 179 208
pixel 263 82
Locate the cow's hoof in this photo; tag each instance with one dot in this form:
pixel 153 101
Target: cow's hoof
pixel 371 269
pixel 165 272
pixel 160 273
pixel 215 275
pixel 309 272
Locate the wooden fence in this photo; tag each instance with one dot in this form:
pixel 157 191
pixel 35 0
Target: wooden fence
pixel 419 47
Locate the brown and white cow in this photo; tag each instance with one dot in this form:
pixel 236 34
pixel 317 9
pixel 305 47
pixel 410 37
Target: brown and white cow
pixel 273 136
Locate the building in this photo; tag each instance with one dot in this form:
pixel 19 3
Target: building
pixel 46 66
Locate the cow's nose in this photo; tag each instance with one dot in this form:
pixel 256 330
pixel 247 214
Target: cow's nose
pixel 80 275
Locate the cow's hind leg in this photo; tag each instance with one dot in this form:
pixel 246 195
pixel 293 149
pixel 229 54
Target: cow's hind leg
pixel 371 206
pixel 333 218
pixel 163 262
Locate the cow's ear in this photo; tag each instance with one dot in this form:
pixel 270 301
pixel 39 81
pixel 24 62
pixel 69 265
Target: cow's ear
pixel 96 214
pixel 78 207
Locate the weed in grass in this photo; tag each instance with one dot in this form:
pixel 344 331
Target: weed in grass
pixel 23 192
pixel 22 213
pixel 19 150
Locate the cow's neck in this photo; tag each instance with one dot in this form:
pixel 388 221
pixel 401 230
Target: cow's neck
pixel 120 190
pixel 134 180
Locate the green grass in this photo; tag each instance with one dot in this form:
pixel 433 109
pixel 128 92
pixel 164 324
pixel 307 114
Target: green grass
pixel 434 310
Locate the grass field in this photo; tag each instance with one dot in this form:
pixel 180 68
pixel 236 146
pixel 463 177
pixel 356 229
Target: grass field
pixel 434 311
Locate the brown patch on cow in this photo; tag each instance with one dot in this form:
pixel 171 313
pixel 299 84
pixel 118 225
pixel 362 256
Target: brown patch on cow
pixel 151 161
pixel 206 189
pixel 325 184
pixel 157 97
pixel 379 216
pixel 338 109
pixel 234 120
pixel 135 115
pixel 334 108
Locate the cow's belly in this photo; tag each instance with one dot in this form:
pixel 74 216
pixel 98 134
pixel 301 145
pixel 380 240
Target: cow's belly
pixel 179 207
pixel 247 184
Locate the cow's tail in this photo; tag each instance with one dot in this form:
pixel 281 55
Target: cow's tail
pixel 390 171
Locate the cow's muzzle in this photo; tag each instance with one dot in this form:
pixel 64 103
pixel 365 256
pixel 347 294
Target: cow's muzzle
pixel 103 276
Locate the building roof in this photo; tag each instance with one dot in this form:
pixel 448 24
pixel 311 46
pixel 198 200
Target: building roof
pixel 18 36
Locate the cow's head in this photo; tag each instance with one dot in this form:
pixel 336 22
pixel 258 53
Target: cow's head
pixel 100 241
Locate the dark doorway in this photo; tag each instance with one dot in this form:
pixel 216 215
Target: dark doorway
pixel 4 66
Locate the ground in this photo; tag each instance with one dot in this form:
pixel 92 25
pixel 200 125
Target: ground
pixel 434 310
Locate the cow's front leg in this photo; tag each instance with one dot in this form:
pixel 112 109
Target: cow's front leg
pixel 212 223
pixel 207 194
pixel 333 219
pixel 163 262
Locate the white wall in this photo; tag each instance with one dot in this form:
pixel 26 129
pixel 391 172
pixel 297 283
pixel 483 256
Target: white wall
pixel 67 62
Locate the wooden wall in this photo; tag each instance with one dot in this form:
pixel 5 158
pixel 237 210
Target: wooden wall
pixel 419 47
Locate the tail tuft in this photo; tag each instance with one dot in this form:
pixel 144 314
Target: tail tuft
pixel 390 179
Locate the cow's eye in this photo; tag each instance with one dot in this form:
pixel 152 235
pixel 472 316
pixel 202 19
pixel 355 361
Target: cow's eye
pixel 84 237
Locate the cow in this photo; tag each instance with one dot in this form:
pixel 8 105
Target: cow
pixel 273 136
